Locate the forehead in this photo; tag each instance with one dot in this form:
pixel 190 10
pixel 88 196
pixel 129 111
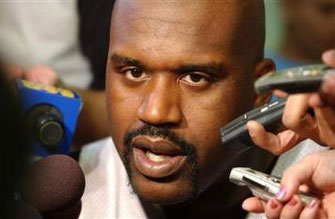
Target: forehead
pixel 177 28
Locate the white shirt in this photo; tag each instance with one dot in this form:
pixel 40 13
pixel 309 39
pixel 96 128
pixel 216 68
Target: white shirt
pixel 43 32
pixel 108 193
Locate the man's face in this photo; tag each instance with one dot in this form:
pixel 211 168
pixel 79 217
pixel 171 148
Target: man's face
pixel 313 25
pixel 174 78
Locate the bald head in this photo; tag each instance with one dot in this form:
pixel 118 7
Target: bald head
pixel 239 22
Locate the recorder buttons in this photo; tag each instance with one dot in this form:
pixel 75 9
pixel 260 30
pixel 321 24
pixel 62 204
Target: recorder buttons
pixel 275 180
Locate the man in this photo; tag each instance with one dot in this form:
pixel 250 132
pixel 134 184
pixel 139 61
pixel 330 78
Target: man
pixel 177 72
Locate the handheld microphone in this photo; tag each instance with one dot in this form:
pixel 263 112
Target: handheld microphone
pixel 54 185
pixel 52 115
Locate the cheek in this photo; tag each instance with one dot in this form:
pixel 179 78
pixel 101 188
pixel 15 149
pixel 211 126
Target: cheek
pixel 205 115
pixel 122 108
pixel 208 112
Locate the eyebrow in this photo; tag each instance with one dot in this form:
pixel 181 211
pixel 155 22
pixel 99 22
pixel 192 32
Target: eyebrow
pixel 211 68
pixel 125 60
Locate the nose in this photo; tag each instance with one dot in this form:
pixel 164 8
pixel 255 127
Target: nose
pixel 160 104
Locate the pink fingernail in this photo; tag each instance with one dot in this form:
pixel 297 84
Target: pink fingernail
pixel 293 202
pixel 312 204
pixel 281 194
pixel 273 204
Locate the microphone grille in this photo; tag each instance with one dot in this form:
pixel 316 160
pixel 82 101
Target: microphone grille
pixel 52 183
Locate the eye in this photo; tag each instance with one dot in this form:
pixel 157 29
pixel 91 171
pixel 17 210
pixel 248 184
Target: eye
pixel 195 79
pixel 135 74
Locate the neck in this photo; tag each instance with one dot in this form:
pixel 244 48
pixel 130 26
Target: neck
pixel 294 50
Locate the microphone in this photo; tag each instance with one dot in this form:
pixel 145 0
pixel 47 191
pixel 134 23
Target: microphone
pixel 51 114
pixel 54 185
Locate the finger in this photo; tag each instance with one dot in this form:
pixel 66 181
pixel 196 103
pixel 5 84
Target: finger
pixel 304 188
pixel 329 57
pixel 326 95
pixel 273 209
pixel 254 205
pixel 315 101
pixel 262 138
pixel 326 206
pixel 296 118
pixel 310 211
pixel 327 92
pixel 292 209
pixel 325 118
pixel 296 175
pixel 42 74
pixel 276 144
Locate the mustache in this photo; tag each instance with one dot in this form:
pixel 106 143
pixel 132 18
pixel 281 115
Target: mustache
pixel 152 131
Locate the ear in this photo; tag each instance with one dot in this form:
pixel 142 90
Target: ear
pixel 263 67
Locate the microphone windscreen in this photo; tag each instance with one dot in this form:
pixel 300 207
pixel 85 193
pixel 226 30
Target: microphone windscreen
pixel 53 183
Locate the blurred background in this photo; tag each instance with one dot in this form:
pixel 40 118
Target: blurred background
pixel 299 31
pixel 274 24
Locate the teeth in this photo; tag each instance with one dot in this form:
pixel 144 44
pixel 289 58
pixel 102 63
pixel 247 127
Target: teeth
pixel 156 158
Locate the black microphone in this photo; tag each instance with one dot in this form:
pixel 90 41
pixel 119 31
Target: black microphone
pixel 54 185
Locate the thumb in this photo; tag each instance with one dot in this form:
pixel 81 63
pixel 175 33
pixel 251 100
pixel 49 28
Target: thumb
pixel 42 74
pixel 253 204
pixel 296 175
pixel 276 144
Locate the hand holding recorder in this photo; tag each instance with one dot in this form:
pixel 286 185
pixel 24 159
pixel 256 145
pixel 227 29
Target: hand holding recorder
pixel 316 172
pixel 298 120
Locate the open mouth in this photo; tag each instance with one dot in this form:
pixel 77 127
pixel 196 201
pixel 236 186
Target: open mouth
pixel 157 157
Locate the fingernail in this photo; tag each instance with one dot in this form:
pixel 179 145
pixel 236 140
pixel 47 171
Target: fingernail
pixel 281 194
pixel 251 130
pixel 293 201
pixel 243 205
pixel 252 133
pixel 312 204
pixel 273 204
